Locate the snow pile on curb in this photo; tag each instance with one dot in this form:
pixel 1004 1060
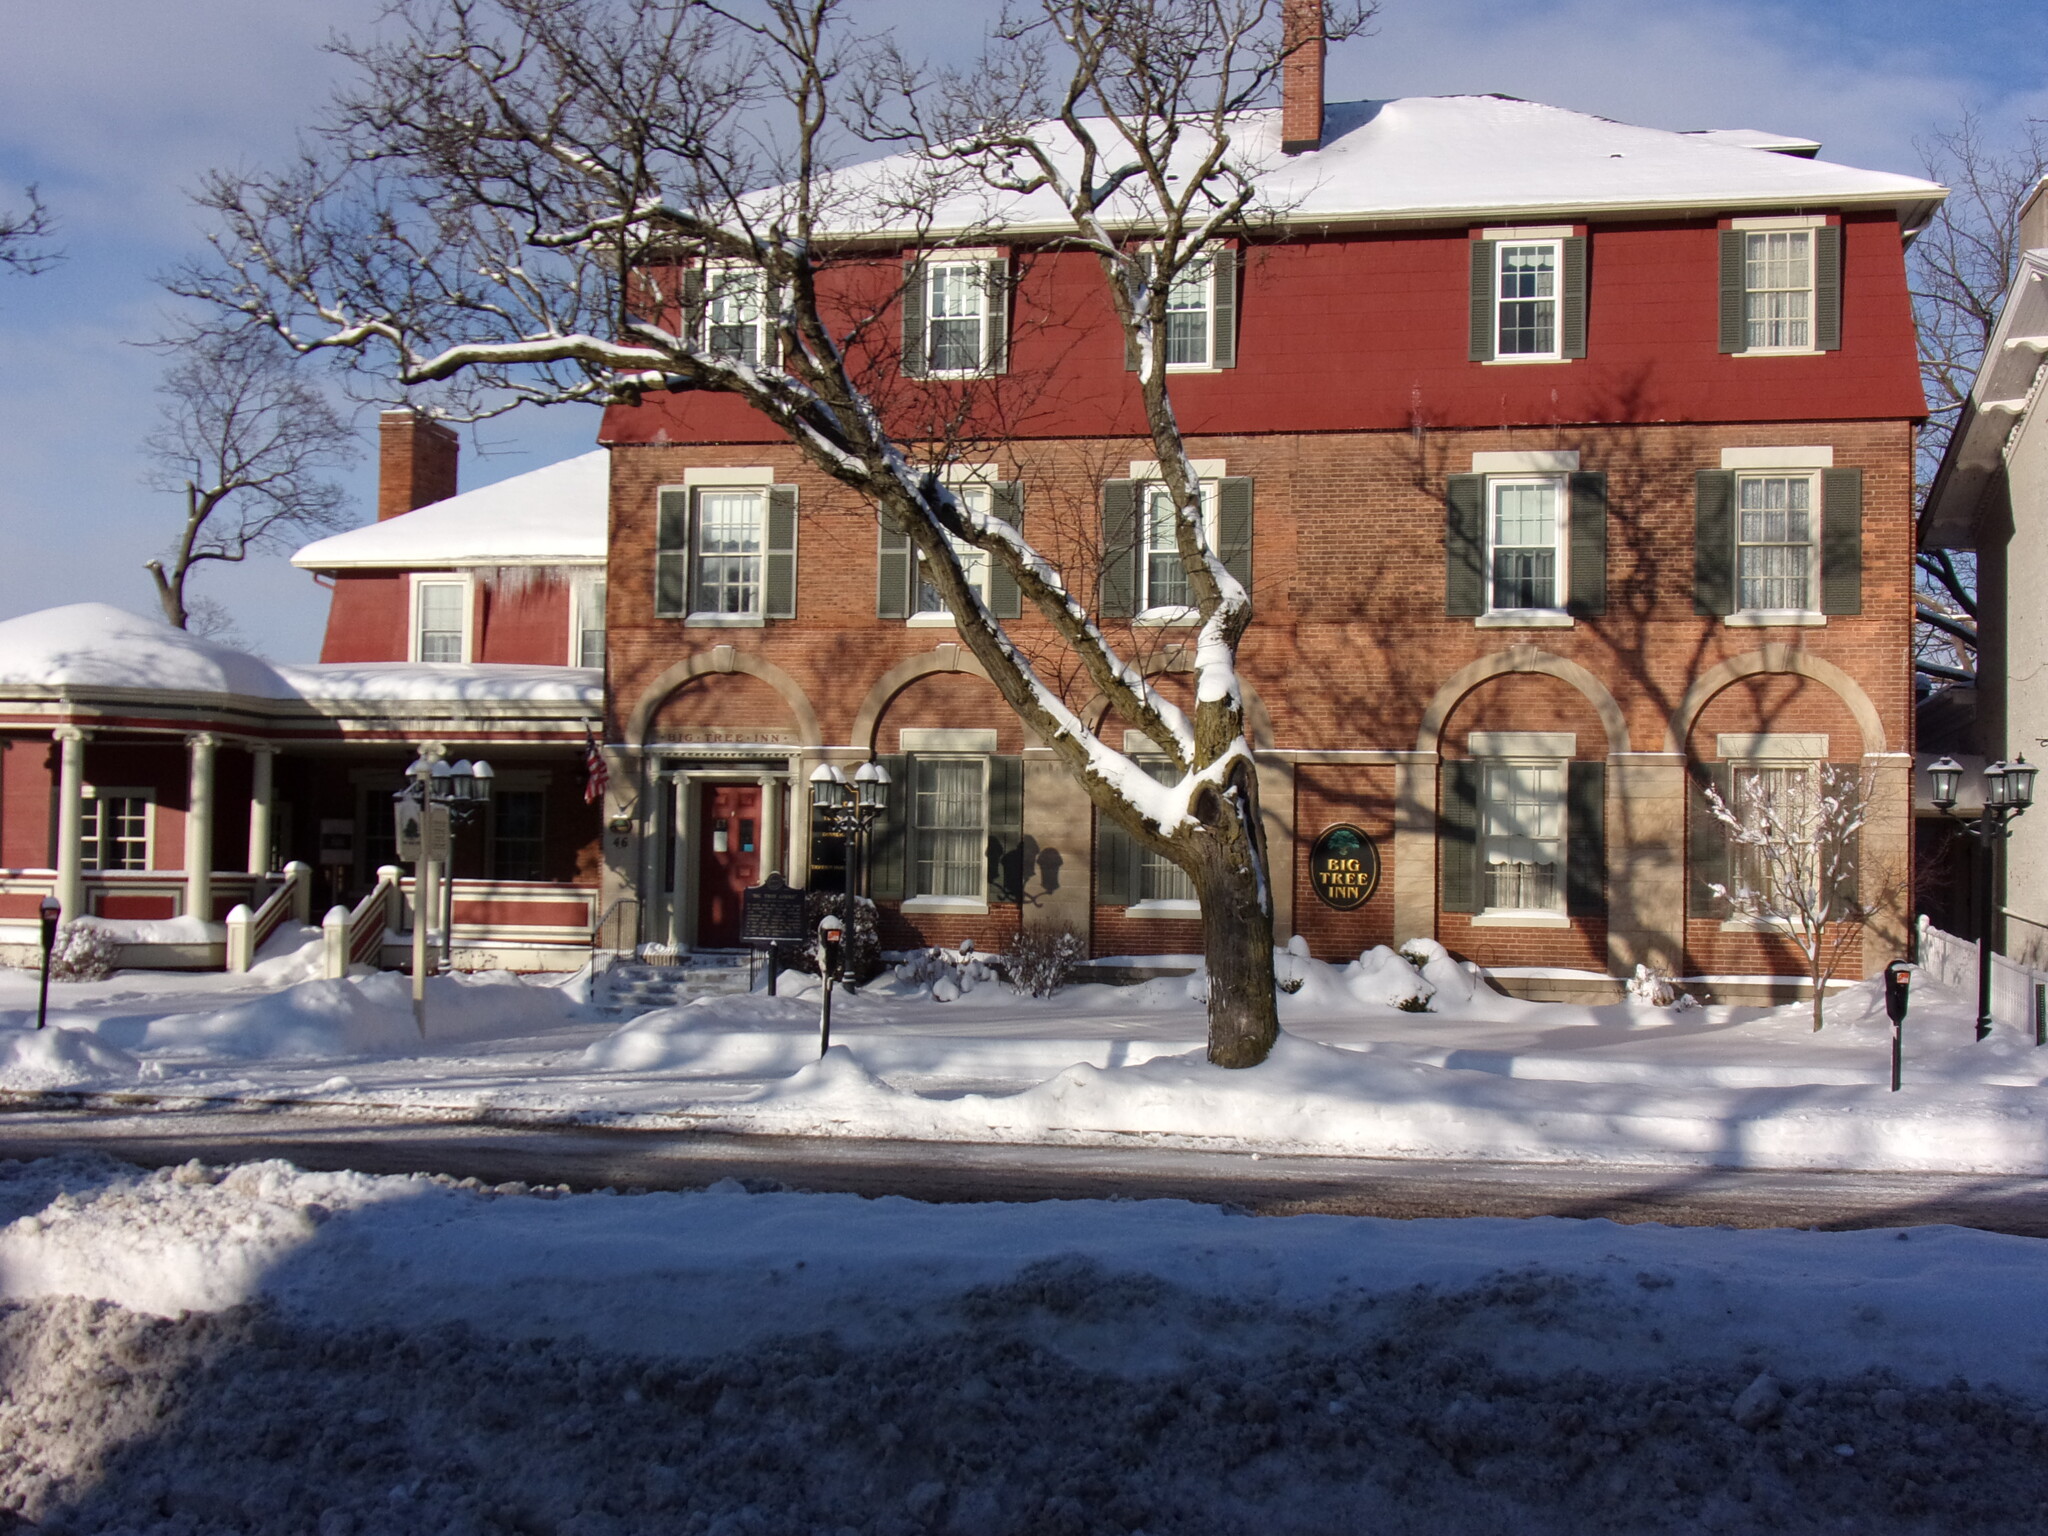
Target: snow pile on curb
pixel 33 1059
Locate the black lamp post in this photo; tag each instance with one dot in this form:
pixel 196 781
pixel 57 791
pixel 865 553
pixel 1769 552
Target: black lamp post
pixel 850 808
pixel 2008 791
pixel 461 786
pixel 50 911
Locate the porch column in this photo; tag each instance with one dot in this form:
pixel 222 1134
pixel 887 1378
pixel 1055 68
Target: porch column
pixel 199 829
pixel 771 824
pixel 71 820
pixel 262 792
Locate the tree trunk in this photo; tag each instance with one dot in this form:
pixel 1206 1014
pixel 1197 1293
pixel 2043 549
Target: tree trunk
pixel 170 593
pixel 1230 877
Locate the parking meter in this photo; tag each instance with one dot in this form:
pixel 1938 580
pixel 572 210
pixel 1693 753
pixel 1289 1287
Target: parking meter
pixel 50 911
pixel 1898 981
pixel 831 966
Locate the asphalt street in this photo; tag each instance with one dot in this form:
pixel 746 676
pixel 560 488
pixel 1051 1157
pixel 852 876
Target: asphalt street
pixel 591 1157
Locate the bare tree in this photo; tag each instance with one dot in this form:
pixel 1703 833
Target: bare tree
pixel 1961 266
pixel 516 202
pixel 243 437
pixel 25 238
pixel 1794 838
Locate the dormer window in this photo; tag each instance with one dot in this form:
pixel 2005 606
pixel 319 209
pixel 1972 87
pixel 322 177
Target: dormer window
pixel 1528 295
pixel 1781 286
pixel 956 315
pixel 735 315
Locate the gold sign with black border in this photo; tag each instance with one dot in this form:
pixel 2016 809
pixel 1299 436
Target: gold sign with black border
pixel 1344 867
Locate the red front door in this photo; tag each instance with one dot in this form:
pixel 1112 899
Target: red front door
pixel 728 860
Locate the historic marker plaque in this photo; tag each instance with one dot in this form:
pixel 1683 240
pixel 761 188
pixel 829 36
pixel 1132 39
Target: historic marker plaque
pixel 1344 867
pixel 774 913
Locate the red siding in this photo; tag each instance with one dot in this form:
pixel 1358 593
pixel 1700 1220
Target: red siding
pixel 366 618
pixel 529 625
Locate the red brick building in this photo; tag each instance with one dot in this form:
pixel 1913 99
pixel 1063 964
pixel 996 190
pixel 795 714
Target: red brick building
pixel 1570 466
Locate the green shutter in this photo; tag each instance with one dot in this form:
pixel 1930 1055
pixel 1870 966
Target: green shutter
pixel 1480 349
pixel 1458 836
pixel 671 553
pixel 1006 871
pixel 1713 542
pixel 1589 545
pixel 1573 341
pixel 995 316
pixel 1116 864
pixel 778 588
pixel 1234 527
pixel 1223 354
pixel 1006 501
pixel 888 837
pixel 1841 541
pixel 1465 546
pixel 1827 288
pixel 1707 840
pixel 1734 291
pixel 692 318
pixel 895 571
pixel 1843 856
pixel 914 280
pixel 1586 840
pixel 1117 595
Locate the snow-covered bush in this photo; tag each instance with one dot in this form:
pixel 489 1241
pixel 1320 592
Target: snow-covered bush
pixel 949 974
pixel 1041 960
pixel 84 951
pixel 1654 987
pixel 862 946
pixel 1288 971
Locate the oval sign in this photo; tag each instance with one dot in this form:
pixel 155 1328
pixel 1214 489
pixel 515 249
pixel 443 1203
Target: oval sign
pixel 1344 867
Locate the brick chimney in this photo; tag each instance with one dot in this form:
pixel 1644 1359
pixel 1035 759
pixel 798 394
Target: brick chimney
pixel 415 462
pixel 1301 76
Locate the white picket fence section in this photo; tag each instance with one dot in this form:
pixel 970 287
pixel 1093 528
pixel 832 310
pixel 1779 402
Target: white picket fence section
pixel 2016 990
pixel 248 930
pixel 356 937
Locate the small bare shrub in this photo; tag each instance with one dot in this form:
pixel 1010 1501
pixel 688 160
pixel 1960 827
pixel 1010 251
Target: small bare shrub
pixel 1041 960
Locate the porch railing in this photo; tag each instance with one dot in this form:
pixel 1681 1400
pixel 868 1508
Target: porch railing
pixel 356 936
pixel 248 931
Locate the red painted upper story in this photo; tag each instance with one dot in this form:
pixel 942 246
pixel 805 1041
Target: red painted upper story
pixel 1368 331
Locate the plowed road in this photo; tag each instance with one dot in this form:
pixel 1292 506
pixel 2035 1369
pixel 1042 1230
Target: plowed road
pixel 586 1157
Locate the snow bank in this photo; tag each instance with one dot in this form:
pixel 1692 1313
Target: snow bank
pixel 33 1059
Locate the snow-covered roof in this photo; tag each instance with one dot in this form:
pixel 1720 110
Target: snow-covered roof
pixel 1757 138
pixel 95 646
pixel 550 516
pixel 1458 157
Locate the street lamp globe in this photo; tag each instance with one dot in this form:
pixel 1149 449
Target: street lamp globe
pixel 871 785
pixel 828 786
pixel 483 779
pixel 1945 778
pixel 1996 788
pixel 2019 783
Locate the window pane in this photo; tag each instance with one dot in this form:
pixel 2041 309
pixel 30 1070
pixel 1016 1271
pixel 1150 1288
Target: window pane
pixel 590 627
pixel 1159 878
pixel 1774 537
pixel 1524 822
pixel 954 339
pixel 733 316
pixel 973 562
pixel 1524 544
pixel 1781 798
pixel 950 831
pixel 1778 273
pixel 728 552
pixel 1528 301
pixel 1166 578
pixel 441 621
pixel 518 834
pixel 1187 316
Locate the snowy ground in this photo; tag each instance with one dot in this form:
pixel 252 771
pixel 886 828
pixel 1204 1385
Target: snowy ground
pixel 1478 1076
pixel 261 1350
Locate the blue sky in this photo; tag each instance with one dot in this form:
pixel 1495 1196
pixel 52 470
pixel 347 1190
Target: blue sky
pixel 117 106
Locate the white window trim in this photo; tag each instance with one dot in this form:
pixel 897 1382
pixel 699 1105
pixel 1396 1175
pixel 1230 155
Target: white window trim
pixel 692 617
pixel 144 793
pixel 976 906
pixel 1782 221
pixel 951 258
pixel 1790 223
pixel 1532 618
pixel 1164 911
pixel 583 581
pixel 1561 461
pixel 1529 917
pixel 422 580
pixel 1793 757
pixel 1807 456
pixel 1776 749
pixel 1528 234
pixel 1168 615
pixel 722 478
pixel 717 268
pixel 1780 618
pixel 1556 352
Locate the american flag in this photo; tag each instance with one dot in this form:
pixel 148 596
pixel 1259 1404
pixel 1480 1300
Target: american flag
pixel 596 776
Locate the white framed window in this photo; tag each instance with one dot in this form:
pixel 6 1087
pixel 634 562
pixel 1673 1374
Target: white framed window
pixel 1527 534
pixel 1191 316
pixel 1160 881
pixel 928 605
pixel 1522 836
pixel 1783 794
pixel 1775 558
pixel 1777 290
pixel 735 314
pixel 518 834
pixel 726 546
pixel 956 315
pixel 115 828
pixel 949 828
pixel 1162 575
pixel 1528 279
pixel 441 614
pixel 586 619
